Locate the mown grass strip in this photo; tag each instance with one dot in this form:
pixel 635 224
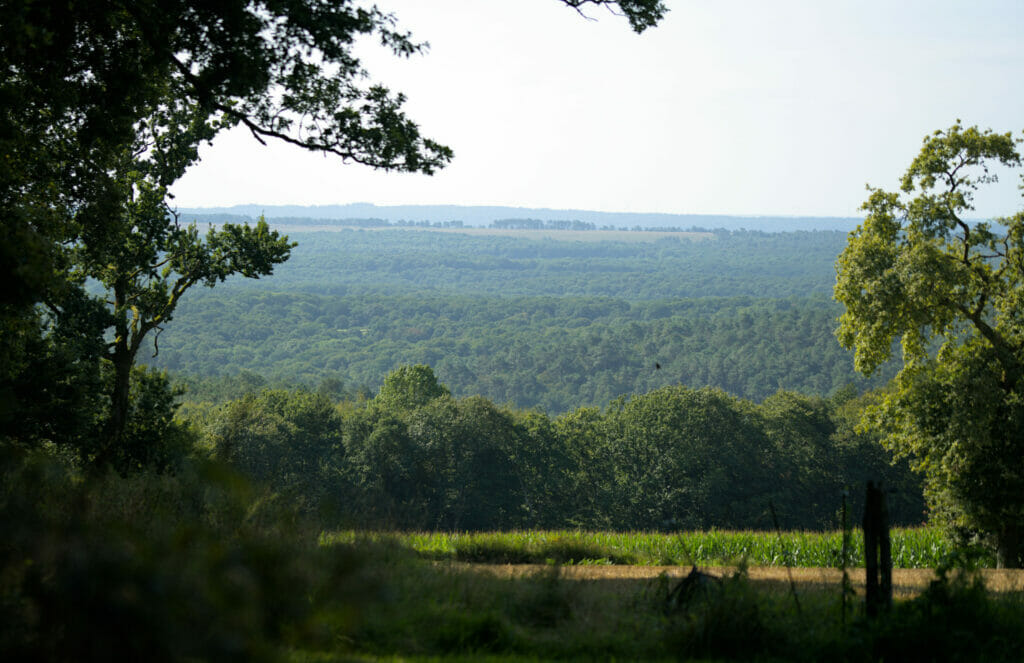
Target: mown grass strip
pixel 911 547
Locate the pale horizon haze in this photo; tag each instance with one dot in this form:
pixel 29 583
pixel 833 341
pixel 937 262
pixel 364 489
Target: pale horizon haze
pixel 733 107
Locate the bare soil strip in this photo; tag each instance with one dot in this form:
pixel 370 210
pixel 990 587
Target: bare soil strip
pixel 906 582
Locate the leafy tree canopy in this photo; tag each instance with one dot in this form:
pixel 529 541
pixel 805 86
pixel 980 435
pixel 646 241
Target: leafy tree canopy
pixel 408 387
pixel 918 270
pixel 642 14
pixel 104 104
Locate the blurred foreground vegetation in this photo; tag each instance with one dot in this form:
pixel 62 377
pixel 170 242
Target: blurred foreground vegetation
pixel 202 565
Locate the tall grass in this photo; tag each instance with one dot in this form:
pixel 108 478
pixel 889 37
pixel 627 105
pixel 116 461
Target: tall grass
pixel 911 547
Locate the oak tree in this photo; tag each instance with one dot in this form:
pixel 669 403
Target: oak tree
pixel 950 290
pixel 105 104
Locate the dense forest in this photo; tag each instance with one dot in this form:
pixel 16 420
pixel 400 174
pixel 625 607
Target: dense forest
pixel 364 381
pixel 392 261
pixel 488 320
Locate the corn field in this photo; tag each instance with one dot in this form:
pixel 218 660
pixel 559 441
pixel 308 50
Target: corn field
pixel 912 548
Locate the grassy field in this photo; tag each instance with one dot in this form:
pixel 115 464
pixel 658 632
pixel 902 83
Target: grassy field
pixel 913 548
pixel 424 610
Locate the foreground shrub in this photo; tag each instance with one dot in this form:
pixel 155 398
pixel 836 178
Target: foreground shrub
pixel 720 619
pixel 955 619
pixel 159 568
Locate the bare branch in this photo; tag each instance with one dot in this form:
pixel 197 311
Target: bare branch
pixel 260 132
pixel 156 340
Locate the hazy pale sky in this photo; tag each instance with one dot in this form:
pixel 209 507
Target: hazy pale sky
pixel 786 107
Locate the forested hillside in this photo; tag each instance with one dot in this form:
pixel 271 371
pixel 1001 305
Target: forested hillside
pixel 666 371
pixel 555 353
pixel 529 320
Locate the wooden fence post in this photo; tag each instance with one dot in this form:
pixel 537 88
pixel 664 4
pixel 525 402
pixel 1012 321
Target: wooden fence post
pixel 877 551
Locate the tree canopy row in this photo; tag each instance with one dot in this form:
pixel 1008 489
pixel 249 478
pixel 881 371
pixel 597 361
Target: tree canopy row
pixel 416 458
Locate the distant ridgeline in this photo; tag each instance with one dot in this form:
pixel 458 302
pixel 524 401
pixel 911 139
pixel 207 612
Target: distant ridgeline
pixel 501 223
pixel 454 216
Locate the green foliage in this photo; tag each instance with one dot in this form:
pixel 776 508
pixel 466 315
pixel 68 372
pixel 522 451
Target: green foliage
pixel 416 458
pixel 144 262
pixel 912 548
pixel 289 441
pixel 409 387
pixel 678 456
pixel 64 403
pixel 801 430
pixel 554 353
pixel 50 387
pixel 390 261
pixel 153 439
pixel 482 488
pixel 950 291
pixel 334 313
pixel 106 104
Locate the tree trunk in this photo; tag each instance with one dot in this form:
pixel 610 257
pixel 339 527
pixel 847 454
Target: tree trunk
pixel 122 357
pixel 877 552
pixel 113 433
pixel 1008 549
pixel 119 397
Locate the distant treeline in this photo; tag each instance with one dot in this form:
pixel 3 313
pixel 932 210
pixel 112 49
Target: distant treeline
pixel 481 216
pixel 415 458
pixel 541 224
pixel 502 224
pixel 576 224
pixel 316 221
